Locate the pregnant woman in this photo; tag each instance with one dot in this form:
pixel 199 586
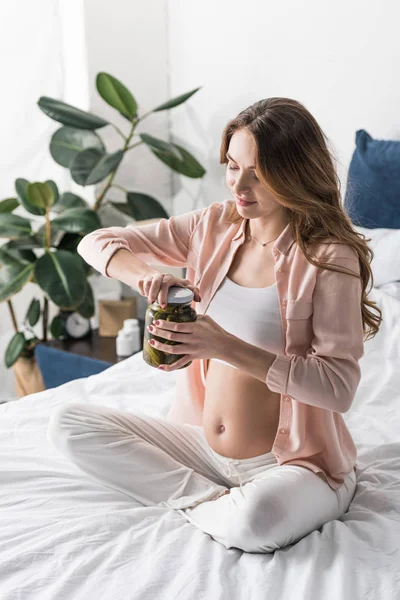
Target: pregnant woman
pixel 254 450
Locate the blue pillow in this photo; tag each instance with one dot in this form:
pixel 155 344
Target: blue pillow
pixel 373 184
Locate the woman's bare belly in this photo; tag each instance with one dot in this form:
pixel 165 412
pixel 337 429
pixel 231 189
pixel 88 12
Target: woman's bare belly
pixel 241 414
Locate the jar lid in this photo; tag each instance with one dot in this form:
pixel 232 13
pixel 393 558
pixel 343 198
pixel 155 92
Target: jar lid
pixel 179 295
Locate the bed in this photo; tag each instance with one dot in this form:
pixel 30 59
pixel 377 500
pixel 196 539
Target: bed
pixel 66 537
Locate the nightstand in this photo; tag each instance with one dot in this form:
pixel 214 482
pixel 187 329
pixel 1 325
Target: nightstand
pixel 64 360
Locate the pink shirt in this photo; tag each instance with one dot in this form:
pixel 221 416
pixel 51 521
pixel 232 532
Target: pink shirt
pixel 317 376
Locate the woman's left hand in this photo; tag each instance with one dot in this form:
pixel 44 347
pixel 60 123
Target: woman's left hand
pixel 202 338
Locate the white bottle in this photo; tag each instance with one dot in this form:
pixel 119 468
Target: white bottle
pixel 132 327
pixel 128 339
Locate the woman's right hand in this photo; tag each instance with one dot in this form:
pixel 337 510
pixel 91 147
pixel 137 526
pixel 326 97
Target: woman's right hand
pixel 156 285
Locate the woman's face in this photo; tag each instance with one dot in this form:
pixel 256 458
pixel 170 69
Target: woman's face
pixel 242 179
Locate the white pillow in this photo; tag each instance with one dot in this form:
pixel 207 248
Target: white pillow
pixel 385 244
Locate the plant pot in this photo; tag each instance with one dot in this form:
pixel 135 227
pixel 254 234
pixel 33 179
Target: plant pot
pixel 28 378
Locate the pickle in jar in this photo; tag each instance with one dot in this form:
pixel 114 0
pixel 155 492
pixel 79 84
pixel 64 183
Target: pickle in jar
pixel 178 310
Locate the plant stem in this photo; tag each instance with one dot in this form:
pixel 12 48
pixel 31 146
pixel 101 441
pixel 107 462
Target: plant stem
pixel 13 319
pixel 145 115
pixel 134 145
pixel 118 130
pixel 45 318
pixel 29 328
pixel 112 174
pixel 47 231
pixel 119 187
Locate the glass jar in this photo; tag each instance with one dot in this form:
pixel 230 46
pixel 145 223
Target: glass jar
pixel 179 310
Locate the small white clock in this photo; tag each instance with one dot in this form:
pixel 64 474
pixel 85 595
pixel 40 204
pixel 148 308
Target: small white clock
pixel 77 326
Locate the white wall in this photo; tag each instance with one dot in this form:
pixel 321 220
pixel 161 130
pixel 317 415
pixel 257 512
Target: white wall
pixel 128 40
pixel 340 59
pixel 130 43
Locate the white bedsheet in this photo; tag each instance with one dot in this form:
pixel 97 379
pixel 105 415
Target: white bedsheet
pixel 64 536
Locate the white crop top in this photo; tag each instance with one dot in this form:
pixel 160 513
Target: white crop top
pixel 251 314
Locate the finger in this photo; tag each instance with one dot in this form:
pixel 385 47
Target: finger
pixel 155 287
pixel 147 286
pixel 146 283
pixel 186 358
pixel 196 292
pixel 167 348
pixel 162 326
pixel 140 287
pixel 163 294
pixel 167 334
pixel 153 291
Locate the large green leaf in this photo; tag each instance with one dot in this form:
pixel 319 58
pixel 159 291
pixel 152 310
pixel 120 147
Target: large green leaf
pixel 86 309
pixel 23 254
pixel 14 274
pixel 23 243
pixel 62 278
pixel 123 207
pixel 14 227
pixel 69 242
pixel 55 235
pixel 85 266
pixel 40 194
pixel 173 155
pixel 161 145
pixel 91 166
pixel 143 207
pixel 67 142
pixel 14 349
pixel 69 115
pixel 176 101
pixel 57 328
pixel 54 187
pixel 8 205
pixel 20 250
pixel 187 165
pixel 21 189
pixel 116 95
pixel 33 312
pixel 77 220
pixel 69 200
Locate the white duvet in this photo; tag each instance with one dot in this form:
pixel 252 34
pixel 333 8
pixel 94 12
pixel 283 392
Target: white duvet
pixel 64 536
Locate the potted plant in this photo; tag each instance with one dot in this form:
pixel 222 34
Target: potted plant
pixel 78 146
pixel 47 254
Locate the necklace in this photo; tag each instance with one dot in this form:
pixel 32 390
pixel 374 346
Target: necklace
pixel 265 243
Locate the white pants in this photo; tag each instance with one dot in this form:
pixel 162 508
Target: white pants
pixel 164 464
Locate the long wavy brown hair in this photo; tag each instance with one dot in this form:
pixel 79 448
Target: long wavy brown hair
pixel 294 162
